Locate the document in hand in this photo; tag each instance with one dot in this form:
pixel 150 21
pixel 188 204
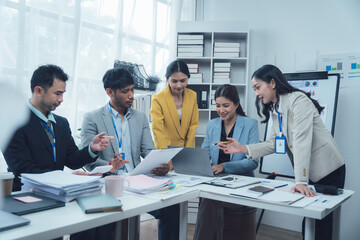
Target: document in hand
pixel 154 159
pixel 144 184
pixel 99 203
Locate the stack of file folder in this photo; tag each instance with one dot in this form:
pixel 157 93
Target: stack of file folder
pixel 61 185
pixel 143 184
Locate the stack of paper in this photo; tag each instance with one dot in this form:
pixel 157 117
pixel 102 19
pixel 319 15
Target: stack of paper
pixel 61 185
pixel 222 72
pixel 144 184
pixel 190 45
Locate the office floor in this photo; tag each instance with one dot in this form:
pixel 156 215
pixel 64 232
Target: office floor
pixel 148 231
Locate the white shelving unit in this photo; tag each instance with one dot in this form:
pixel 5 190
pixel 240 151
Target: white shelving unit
pixel 218 32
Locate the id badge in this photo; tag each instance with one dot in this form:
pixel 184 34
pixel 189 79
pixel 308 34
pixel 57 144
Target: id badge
pixel 280 144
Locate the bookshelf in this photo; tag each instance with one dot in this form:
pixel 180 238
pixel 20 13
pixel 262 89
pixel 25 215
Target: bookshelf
pixel 225 59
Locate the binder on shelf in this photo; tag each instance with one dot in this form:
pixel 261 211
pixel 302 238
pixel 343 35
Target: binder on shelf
pixel 203 100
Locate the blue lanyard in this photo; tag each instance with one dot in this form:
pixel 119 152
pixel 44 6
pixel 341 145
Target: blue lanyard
pixel 51 132
pixel 113 121
pixel 280 122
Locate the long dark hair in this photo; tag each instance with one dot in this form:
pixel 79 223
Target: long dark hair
pixel 177 66
pixel 230 92
pixel 267 73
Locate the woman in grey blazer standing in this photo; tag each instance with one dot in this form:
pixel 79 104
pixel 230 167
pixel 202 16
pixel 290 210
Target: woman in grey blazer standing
pixel 297 130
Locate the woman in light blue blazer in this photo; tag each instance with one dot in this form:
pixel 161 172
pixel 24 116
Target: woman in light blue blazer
pixel 232 121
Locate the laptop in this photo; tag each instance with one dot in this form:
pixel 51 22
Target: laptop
pixel 8 221
pixel 193 161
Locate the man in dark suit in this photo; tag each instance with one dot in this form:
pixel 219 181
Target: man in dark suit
pixel 45 142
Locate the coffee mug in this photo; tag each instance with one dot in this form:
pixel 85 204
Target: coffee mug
pixel 7 182
pixel 115 185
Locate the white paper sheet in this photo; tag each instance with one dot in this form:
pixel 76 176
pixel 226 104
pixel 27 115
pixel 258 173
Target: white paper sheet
pixel 154 159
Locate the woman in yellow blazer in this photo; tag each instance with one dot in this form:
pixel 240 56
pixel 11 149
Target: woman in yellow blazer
pixel 174 110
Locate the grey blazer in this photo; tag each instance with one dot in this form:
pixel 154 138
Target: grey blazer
pixel 100 120
pixel 310 146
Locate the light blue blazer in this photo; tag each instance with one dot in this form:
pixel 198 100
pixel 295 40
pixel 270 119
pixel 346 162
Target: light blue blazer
pixel 246 132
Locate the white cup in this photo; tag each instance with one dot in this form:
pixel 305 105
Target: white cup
pixel 6 179
pixel 115 185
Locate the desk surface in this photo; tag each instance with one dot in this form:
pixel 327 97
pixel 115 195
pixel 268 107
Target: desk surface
pixel 70 219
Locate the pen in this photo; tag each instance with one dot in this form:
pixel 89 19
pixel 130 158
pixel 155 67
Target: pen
pixel 281 185
pixel 224 142
pixel 265 182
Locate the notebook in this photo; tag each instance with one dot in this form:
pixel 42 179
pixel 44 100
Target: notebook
pixel 10 204
pixel 8 221
pixel 193 161
pixel 99 203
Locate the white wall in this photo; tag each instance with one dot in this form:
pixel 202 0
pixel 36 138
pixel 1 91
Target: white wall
pixel 282 27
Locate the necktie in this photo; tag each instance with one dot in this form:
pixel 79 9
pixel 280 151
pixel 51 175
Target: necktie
pixel 50 135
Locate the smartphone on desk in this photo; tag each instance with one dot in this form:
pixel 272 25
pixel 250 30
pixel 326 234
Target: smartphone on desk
pixel 261 189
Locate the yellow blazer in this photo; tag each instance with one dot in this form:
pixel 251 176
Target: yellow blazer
pixel 165 119
pixel 310 146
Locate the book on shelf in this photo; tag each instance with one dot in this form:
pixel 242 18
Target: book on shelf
pixel 195 80
pixel 191 36
pixel 221 69
pixel 190 54
pixel 196 75
pixel 191 48
pixel 222 64
pixel 192 65
pixel 226 49
pixel 190 41
pixel 226 54
pixel 222 74
pixel 193 70
pixel 221 80
pixel 227 44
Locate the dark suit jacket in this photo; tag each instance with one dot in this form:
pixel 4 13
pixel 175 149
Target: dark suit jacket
pixel 30 151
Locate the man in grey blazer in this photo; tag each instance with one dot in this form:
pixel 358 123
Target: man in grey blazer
pixel 132 138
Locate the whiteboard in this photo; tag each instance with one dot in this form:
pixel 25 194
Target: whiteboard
pixel 324 88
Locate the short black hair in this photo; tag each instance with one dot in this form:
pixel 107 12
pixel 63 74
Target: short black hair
pixel 117 78
pixel 44 76
pixel 177 66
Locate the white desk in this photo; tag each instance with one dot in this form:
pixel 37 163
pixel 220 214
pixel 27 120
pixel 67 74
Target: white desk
pixel 70 219
pixel 309 212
